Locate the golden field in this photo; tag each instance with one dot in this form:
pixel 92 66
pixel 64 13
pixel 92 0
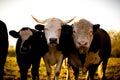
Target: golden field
pixel 12 70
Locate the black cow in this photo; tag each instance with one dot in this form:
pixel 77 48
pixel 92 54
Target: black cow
pixel 89 38
pixel 3 47
pixel 29 49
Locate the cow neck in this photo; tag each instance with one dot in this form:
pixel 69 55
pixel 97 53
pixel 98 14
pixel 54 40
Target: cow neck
pixel 53 49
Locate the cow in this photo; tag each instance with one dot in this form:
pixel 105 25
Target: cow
pixel 90 38
pixel 57 35
pixel 30 47
pixel 3 47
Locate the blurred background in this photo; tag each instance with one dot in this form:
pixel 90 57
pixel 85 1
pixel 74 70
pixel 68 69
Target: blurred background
pixel 17 14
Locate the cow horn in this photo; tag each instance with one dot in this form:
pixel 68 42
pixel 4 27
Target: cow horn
pixel 68 21
pixel 39 21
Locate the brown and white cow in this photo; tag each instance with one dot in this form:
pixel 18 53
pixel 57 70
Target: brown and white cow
pixel 53 28
pixel 89 38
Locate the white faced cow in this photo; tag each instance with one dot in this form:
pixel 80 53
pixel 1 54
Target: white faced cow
pixel 53 29
pixel 89 38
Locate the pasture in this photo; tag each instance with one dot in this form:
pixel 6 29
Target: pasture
pixel 12 70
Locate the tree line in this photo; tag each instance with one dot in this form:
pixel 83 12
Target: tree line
pixel 115 41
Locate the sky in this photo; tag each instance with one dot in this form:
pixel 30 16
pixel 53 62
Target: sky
pixel 17 13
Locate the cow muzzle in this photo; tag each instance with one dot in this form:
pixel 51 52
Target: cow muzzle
pixel 53 40
pixel 25 48
pixel 82 44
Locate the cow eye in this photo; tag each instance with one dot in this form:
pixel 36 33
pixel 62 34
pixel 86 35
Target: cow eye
pixel 91 32
pixel 74 31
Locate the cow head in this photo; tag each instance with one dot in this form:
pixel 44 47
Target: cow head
pixel 24 37
pixel 52 29
pixel 83 31
pixel 91 58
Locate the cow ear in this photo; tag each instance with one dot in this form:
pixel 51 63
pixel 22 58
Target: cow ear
pixel 95 27
pixel 14 34
pixel 39 27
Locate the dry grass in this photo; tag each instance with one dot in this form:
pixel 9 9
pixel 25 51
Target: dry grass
pixel 12 70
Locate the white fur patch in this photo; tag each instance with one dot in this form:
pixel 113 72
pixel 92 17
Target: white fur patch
pixel 25 34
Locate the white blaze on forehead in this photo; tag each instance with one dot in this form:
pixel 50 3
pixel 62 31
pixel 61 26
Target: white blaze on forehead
pixel 82 27
pixel 53 23
pixel 25 34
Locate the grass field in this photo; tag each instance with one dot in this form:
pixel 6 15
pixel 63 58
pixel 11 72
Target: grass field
pixel 12 70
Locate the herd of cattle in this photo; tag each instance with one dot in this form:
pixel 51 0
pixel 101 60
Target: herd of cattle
pixel 86 46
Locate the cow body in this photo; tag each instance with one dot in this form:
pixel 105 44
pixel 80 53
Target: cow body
pixel 3 47
pixel 89 38
pixel 29 49
pixel 91 58
pixel 55 34
pixel 101 42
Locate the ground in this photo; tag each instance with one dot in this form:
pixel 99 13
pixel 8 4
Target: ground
pixel 12 70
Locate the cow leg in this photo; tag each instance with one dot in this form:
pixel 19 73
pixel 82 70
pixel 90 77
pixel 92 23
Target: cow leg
pixel 76 72
pixel 102 69
pixel 58 67
pixel 24 70
pixel 48 68
pixel 35 73
pixel 35 69
pixel 1 68
pixel 1 73
pixel 3 56
pixel 23 74
pixel 92 69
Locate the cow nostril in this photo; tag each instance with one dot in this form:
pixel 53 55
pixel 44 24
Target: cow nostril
pixel 85 43
pixel 53 40
pixel 82 43
pixel 79 43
